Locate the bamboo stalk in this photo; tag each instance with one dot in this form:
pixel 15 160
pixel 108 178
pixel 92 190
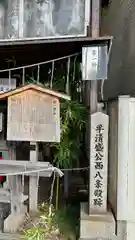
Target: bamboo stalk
pixel 57 192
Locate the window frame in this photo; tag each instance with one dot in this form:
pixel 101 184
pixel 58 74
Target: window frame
pixel 86 25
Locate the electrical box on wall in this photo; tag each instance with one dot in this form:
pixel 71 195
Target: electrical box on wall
pixel 94 62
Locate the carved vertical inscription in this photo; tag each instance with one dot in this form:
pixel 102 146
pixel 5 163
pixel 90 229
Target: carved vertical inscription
pixel 99 162
pixel 33 116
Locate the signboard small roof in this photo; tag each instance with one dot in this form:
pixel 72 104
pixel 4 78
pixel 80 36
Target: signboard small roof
pixel 36 87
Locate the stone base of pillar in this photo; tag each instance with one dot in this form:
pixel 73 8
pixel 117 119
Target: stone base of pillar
pixel 14 221
pixel 100 226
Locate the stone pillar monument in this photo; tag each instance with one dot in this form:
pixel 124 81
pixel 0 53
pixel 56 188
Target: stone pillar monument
pixel 98 163
pixel 97 220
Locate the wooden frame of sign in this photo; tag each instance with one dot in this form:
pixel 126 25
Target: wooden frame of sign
pixel 33 114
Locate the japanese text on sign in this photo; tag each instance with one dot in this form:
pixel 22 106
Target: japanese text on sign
pixel 33 116
pixel 98 162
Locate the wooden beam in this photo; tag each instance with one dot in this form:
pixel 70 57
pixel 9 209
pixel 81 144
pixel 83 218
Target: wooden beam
pixel 8 166
pixel 35 87
pixel 33 181
pixel 93 85
pixel 15 186
pixel 5 196
pixel 24 163
pixel 51 41
pixel 95 18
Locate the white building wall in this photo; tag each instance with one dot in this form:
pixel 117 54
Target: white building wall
pixel 113 155
pixel 121 189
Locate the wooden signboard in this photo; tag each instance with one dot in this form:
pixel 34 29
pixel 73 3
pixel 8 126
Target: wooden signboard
pixel 33 116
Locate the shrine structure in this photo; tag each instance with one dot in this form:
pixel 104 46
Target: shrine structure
pixel 33 115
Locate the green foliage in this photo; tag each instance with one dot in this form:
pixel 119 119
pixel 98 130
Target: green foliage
pixel 62 224
pixel 66 153
pixel 68 222
pixel 73 118
pixel 42 226
pixel 34 233
pixel 11 62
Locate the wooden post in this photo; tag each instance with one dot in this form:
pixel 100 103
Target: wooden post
pixel 95 18
pixel 93 84
pixel 66 173
pixel 15 185
pixel 33 182
pixel 95 34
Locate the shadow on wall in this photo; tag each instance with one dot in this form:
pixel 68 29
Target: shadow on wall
pixel 119 22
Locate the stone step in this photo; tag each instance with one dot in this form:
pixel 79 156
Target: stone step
pixel 7 236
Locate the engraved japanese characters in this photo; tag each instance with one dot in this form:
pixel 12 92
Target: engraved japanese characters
pixel 99 162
